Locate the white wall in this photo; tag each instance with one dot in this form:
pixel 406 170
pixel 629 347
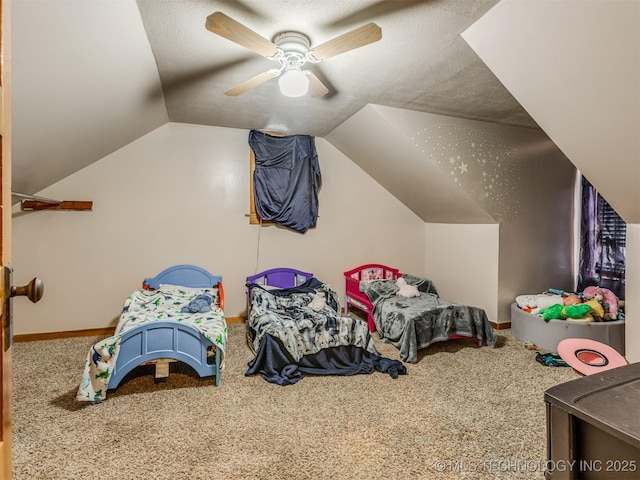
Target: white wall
pixel 180 195
pixel 462 261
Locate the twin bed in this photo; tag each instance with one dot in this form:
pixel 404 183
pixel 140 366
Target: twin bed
pixel 295 327
pixel 411 323
pixel 176 316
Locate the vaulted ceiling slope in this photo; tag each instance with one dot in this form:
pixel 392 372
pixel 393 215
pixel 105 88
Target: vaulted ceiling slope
pixel 383 145
pixel 90 77
pixel 580 80
pixel 81 73
pixel 447 169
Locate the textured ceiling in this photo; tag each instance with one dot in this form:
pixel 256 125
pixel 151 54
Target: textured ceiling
pixel 91 77
pixel 421 63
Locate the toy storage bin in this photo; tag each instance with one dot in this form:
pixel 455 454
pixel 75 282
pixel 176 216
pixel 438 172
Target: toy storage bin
pixel 532 328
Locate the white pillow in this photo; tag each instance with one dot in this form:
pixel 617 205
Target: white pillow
pixel 169 288
pixel 189 292
pixel 545 300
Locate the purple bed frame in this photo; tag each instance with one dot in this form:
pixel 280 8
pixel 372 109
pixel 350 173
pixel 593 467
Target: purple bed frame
pixel 279 278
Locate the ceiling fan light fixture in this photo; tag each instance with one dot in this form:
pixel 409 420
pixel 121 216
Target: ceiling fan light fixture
pixel 291 50
pixel 293 83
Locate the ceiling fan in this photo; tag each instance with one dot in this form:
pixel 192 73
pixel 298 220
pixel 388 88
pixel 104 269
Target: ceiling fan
pixel 291 50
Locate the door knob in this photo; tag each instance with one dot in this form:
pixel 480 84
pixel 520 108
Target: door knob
pixel 33 290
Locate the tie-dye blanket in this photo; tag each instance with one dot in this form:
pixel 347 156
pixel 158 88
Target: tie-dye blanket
pixel 302 329
pixel 144 306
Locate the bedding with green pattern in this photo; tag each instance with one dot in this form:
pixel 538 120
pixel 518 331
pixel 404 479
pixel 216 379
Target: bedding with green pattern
pixel 141 307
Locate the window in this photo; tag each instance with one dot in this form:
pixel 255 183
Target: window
pixel 602 243
pixel 253 215
pixel 285 180
pixel 254 218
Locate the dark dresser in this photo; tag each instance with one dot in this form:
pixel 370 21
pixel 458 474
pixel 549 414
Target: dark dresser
pixel 593 426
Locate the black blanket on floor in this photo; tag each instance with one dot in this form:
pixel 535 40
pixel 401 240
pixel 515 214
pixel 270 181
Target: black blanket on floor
pixel 276 365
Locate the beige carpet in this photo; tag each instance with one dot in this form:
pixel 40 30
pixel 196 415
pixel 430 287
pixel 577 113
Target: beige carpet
pixel 460 412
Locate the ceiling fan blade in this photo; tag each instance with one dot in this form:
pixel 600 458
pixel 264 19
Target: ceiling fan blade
pixel 253 82
pixel 359 37
pixel 227 27
pixel 316 87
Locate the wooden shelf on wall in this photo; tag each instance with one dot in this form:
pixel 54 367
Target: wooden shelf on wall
pixel 63 205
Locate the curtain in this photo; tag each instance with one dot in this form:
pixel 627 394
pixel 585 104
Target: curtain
pixel 286 179
pixel 602 244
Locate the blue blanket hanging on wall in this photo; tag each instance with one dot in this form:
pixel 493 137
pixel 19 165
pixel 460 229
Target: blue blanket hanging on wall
pixel 286 179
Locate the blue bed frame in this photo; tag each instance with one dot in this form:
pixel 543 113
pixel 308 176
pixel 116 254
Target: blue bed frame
pixel 153 341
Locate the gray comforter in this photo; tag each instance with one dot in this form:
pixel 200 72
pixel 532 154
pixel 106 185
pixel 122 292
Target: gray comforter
pixel 411 324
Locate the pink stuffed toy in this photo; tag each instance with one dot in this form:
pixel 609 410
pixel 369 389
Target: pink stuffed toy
pixel 605 296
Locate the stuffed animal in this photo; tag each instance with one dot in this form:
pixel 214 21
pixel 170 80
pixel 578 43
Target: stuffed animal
pixel 597 310
pixel 200 304
pixel 319 301
pixel 562 312
pixel 607 297
pixel 406 290
pixel 571 299
pixel 533 303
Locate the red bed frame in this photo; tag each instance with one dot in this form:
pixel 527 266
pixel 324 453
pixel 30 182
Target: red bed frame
pixel 352 294
pixel 354 297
